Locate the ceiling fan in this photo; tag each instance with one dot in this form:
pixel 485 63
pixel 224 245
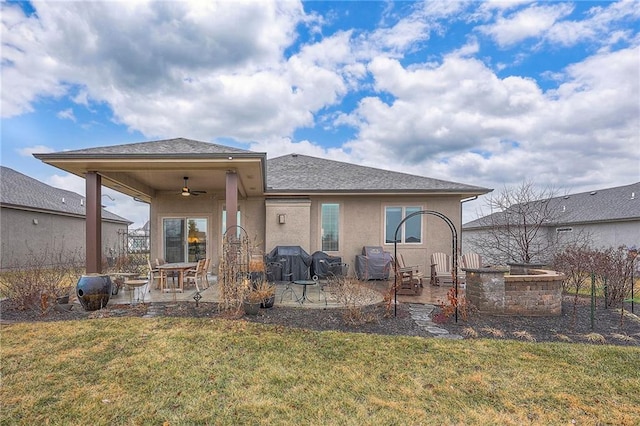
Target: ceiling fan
pixel 186 191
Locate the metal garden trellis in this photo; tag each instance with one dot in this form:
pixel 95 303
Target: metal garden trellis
pixel 454 253
pixel 234 268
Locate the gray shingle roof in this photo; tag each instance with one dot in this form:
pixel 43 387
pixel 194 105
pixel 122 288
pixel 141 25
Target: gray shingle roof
pixel 22 191
pixel 302 173
pixel 603 205
pixel 176 146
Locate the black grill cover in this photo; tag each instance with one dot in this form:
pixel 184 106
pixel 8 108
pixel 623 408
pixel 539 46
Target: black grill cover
pixel 324 265
pixel 373 264
pixel 295 263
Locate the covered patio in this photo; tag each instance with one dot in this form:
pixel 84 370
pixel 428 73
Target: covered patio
pixel 192 188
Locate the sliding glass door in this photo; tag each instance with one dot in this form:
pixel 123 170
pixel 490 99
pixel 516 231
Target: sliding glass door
pixel 185 239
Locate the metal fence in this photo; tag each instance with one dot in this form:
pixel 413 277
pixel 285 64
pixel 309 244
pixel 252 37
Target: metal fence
pixel 136 242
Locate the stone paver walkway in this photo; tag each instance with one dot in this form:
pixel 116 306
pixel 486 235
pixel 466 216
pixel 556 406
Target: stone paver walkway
pixel 421 314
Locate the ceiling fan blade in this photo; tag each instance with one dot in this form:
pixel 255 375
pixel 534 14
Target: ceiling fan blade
pixel 186 191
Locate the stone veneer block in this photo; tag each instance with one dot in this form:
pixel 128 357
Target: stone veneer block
pixel 492 291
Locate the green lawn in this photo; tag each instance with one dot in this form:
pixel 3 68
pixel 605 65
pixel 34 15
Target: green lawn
pixel 202 371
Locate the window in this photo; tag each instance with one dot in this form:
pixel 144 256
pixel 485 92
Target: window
pixel 185 239
pixel 411 231
pixel 330 231
pixel 564 234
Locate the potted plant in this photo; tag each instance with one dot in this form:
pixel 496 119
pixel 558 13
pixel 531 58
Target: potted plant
pixel 258 295
pixel 268 292
pixel 252 303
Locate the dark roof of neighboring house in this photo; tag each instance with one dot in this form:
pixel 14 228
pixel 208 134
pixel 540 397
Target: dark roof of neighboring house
pixel 164 147
pixel 603 205
pixel 302 173
pixel 21 191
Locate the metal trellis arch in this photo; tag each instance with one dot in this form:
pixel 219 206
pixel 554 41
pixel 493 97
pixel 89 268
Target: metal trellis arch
pixel 454 253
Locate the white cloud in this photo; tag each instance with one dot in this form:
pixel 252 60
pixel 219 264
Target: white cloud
pixel 552 23
pixel 170 67
pixel 66 114
pixel 69 182
pixel 37 149
pixel 459 121
pixel 530 22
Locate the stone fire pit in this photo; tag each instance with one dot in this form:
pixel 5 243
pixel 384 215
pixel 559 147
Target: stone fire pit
pixel 496 291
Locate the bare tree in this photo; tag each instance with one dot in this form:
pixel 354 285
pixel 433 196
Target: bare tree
pixel 517 228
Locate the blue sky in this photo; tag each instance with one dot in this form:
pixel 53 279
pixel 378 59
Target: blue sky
pixel 485 93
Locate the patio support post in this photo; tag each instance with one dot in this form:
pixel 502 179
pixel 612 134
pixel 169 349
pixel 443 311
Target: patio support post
pixel 93 233
pixel 232 199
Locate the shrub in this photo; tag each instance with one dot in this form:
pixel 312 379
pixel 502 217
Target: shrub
pixel 612 267
pixel 448 308
pixel 35 281
pixel 615 268
pixel 354 296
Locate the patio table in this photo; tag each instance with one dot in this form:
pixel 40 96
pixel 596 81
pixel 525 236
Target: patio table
pixel 181 268
pixel 304 284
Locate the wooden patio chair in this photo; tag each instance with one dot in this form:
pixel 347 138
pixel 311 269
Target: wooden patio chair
pixel 416 270
pixel 197 274
pixel 154 274
pixel 408 278
pixel 471 261
pixel 441 269
pixel 207 263
pixel 164 274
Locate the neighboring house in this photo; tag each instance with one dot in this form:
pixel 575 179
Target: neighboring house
pixel 35 217
pixel 606 217
pixel 197 190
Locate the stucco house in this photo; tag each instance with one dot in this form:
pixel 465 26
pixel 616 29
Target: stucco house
pixel 35 216
pixel 606 217
pixel 197 190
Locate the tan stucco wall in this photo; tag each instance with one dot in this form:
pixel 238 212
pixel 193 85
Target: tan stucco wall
pixel 252 213
pixel 361 223
pixel 296 229
pixel 20 236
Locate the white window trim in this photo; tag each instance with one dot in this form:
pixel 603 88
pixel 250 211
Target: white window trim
pixel 340 224
pixel 402 236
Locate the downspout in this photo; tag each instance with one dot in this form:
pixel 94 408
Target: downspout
pixel 462 202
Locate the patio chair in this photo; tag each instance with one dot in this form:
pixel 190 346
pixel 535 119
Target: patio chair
pixel 471 261
pixel 165 274
pixel 206 272
pixel 441 269
pixel 336 273
pixel 154 274
pixel 408 278
pixel 416 270
pixel 274 271
pixel 286 275
pixel 197 274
